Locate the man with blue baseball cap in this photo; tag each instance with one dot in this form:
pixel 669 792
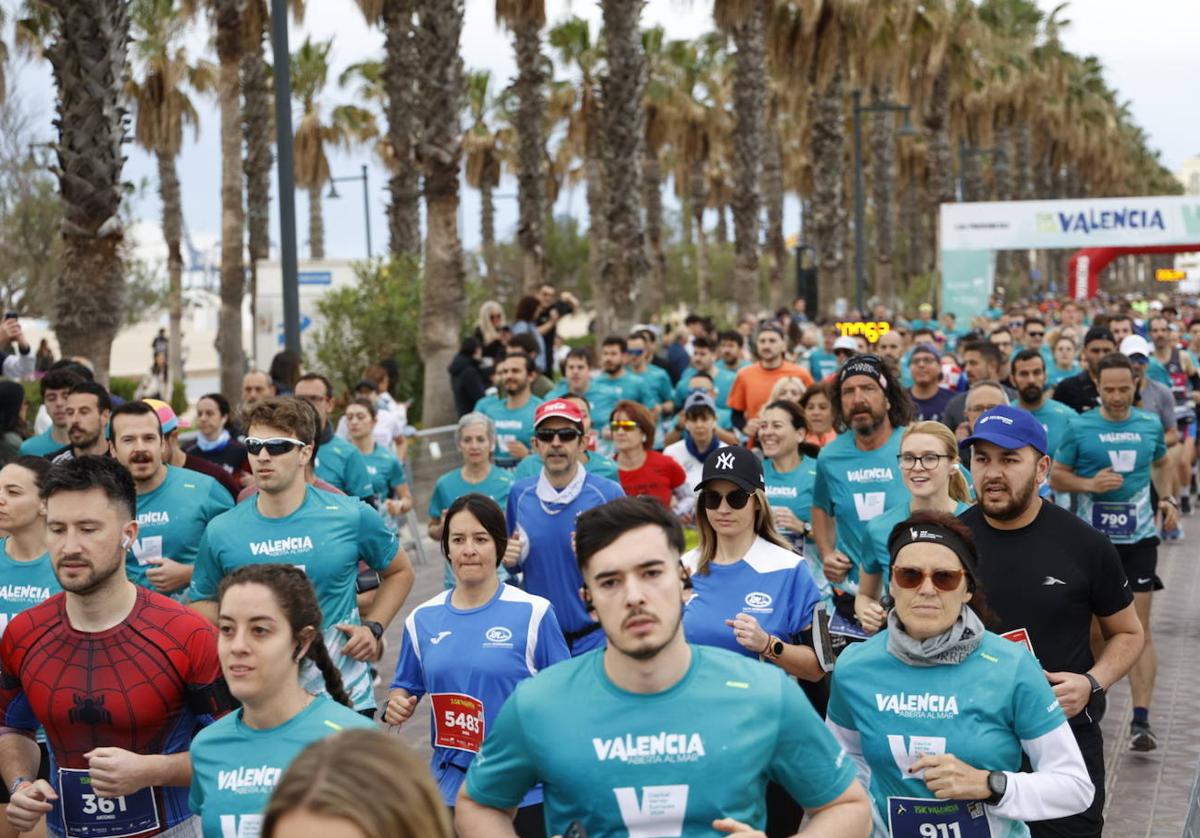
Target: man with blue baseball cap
pixel 1047 574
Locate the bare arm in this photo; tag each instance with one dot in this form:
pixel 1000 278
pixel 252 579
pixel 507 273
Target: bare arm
pixel 1064 479
pixel 1124 640
pixel 846 816
pixel 207 607
pixel 474 820
pixel 19 754
pixel 800 661
pixel 395 581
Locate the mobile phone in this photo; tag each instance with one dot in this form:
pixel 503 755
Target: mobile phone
pixel 11 315
pixel 575 830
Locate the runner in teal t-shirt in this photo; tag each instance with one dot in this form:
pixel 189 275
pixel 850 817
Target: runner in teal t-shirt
pixel 23 584
pixel 652 735
pixel 513 414
pixel 41 444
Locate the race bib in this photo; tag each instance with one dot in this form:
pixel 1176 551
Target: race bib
pixel 87 815
pixel 917 817
pixel 457 721
pixel 1021 637
pixel 1115 519
pixel 145 549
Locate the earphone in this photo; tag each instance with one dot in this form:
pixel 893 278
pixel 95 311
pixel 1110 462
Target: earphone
pixel 125 542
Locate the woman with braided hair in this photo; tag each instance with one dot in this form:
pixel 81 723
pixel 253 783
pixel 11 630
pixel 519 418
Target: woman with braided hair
pixel 269 626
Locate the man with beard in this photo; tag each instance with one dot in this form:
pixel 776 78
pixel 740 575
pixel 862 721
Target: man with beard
pixel 1110 457
pixel 615 738
pixel 174 505
pixel 88 408
pixel 71 665
pixel 1048 575
pixel 857 474
pixel 1029 374
pixel 1079 391
pixel 541 513
pixel 752 387
pixel 614 383
pixel 512 413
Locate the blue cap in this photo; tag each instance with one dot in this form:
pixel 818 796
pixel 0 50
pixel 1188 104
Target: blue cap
pixel 1009 427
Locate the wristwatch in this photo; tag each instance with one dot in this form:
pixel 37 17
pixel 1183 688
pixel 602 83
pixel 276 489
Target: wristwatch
pixel 375 627
pixel 773 649
pixel 997 782
pixel 16 784
pixel 1096 688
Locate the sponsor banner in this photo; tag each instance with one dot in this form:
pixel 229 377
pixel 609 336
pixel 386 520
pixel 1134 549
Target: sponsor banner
pixel 966 283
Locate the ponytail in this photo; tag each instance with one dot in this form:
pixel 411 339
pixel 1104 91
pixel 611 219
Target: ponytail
pixel 318 653
pixel 958 488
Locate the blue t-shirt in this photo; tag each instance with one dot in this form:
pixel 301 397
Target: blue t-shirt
pixel 1130 448
pixel 855 486
pixel 1055 374
pixel 667 763
pixel 606 391
pixel 41 445
pixel 979 710
pixel 596 464
pixel 24 584
pixel 771 584
pixel 386 472
pixel 235 767
pixel 325 537
pixel 722 381
pixel 512 425
pixel 549 566
pixel 342 465
pixel 171 520
pixel 822 364
pixel 1054 417
pixel 932 409
pixel 469 662
pixel 877 559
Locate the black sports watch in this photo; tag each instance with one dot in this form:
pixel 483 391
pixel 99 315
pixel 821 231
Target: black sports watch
pixel 375 627
pixel 997 782
pixel 1096 688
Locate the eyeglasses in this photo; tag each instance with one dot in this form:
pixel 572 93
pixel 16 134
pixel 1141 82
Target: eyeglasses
pixel 928 461
pixel 737 499
pixel 562 434
pixel 623 425
pixel 1035 334
pixel 913 577
pixel 636 353
pixel 275 446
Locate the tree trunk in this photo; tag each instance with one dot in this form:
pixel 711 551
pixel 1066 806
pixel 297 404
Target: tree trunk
pixel 1008 267
pixel 487 234
pixel 316 224
pixel 699 197
pixel 773 193
pixel 621 91
pixel 88 58
pixel 972 173
pixel 749 111
pixel 531 150
pixel 883 175
pixel 233 273
pixel 1022 164
pixel 828 224
pixel 721 230
pixel 172 222
pixel 912 214
pixel 443 299
pixel 651 296
pixel 256 129
pixel 941 160
pixel 597 203
pixel 401 70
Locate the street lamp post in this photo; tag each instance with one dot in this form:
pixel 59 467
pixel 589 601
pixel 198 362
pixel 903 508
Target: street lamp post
pixel 287 180
pixel 860 232
pixel 333 193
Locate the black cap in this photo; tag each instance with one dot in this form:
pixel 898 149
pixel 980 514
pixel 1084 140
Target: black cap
pixel 736 464
pixel 1098 333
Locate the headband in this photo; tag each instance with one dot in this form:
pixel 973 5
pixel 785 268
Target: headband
pixel 868 365
pixel 904 534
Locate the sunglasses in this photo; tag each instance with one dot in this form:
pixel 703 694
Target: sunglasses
pixel 1035 334
pixel 623 425
pixel 737 499
pixel 913 577
pixel 636 353
pixel 275 446
pixel 562 434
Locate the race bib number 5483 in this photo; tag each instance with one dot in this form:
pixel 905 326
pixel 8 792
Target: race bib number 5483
pixel 457 721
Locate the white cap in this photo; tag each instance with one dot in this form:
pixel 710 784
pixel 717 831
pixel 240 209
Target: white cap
pixel 1156 305
pixel 845 342
pixel 1136 345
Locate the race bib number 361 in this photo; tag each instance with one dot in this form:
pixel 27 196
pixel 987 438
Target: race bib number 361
pixel 457 721
pixel 88 815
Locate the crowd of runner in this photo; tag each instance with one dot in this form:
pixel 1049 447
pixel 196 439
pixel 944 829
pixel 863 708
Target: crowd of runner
pixel 844 578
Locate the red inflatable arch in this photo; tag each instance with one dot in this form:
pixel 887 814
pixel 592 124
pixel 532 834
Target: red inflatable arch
pixel 1085 265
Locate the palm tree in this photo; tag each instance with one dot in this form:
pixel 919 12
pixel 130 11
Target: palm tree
pixel 88 56
pixel 163 111
pixel 772 187
pixel 310 74
pixel 482 143
pixel 625 262
pixel 444 297
pixel 525 19
pixel 746 21
pixel 659 113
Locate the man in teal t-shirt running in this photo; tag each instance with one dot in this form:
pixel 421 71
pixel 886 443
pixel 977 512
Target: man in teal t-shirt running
pixel 615 736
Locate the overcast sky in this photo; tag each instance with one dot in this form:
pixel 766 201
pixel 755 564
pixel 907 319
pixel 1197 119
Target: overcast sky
pixel 1149 49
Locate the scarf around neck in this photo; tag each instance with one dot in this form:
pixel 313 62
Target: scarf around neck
pixel 690 444
pixel 554 500
pixel 205 444
pixel 952 646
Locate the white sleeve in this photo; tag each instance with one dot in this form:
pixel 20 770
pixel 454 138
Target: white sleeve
pixel 684 499
pixel 1058 786
pixel 17 365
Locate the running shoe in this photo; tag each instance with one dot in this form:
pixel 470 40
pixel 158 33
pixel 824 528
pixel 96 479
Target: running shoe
pixel 1185 504
pixel 1141 737
pixel 1173 535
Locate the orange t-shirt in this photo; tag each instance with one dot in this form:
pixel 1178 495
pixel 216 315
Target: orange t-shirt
pixel 753 385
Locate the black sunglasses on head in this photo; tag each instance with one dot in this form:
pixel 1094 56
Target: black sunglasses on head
pixel 275 446
pixel 737 499
pixel 563 434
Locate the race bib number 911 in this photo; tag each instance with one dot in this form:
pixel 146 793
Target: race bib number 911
pixel 916 817
pixel 457 722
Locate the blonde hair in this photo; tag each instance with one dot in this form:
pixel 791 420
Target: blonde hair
pixel 958 488
pixel 764 528
pixel 783 382
pixel 489 332
pixel 367 778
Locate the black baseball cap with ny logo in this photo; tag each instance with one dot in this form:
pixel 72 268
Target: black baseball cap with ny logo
pixel 736 464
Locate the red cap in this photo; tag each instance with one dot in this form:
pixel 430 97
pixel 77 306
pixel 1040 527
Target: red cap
pixel 561 408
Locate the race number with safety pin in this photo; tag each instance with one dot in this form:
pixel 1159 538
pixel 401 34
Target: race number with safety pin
pixel 1115 519
pixel 86 814
pixel 457 721
pixel 917 817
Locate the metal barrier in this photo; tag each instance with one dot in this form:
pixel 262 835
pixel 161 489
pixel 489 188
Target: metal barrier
pixel 430 454
pixel 1191 827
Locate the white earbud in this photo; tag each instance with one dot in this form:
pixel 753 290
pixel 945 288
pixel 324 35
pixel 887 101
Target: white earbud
pixel 125 542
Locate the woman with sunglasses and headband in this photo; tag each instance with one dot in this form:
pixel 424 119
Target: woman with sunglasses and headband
pixel 936 711
pixel 929 464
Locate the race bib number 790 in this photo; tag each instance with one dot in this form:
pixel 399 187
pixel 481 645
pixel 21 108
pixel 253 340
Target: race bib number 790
pixel 457 721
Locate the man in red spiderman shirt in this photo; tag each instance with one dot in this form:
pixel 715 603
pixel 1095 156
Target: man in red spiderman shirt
pixel 120 677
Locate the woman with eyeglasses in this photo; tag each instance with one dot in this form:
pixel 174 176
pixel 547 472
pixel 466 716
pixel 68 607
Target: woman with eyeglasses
pixel 930 467
pixel 468 648
pixel 936 711
pixel 642 470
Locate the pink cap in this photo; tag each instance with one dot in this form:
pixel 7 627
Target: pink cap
pixel 561 408
pixel 167 416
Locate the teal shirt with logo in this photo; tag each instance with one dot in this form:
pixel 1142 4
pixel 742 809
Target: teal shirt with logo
pixel 854 487
pixel 667 763
pixel 877 559
pixel 1130 448
pixel 1054 416
pixel 236 767
pixel 171 521
pixel 341 464
pixel 24 584
pixel 606 391
pixel 451 486
pixel 386 472
pixel 822 364
pixel 325 537
pixel 41 445
pixel 512 425
pixel 722 381
pixel 979 710
pixel 1055 374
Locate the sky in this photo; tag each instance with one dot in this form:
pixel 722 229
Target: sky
pixel 1150 56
